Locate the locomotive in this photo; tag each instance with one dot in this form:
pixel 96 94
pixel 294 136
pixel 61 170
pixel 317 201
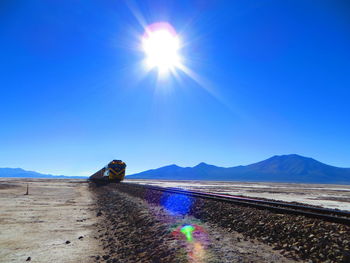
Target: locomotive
pixel 113 172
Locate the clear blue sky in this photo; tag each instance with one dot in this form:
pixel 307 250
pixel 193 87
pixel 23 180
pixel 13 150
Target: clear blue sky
pixel 73 95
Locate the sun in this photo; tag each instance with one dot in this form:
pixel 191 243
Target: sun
pixel 161 46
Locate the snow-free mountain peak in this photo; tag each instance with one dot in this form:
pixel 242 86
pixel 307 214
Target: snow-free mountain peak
pixel 280 168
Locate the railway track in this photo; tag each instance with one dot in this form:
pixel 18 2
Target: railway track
pixel 330 215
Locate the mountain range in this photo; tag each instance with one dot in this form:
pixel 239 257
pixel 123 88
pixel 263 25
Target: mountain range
pixel 290 168
pixel 20 173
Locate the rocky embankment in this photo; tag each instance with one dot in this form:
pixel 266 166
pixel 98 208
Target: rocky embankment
pixel 129 233
pixel 295 237
pixel 134 227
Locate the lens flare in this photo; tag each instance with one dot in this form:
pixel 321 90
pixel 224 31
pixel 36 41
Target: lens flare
pixel 177 204
pixel 197 253
pixel 187 231
pixel 196 240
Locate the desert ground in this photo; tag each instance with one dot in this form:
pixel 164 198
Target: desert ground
pixel 325 195
pixel 60 221
pixel 53 223
pixel 73 221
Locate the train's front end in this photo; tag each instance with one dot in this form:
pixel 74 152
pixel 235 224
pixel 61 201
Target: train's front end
pixel 115 171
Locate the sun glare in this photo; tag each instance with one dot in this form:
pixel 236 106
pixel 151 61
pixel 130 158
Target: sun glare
pixel 161 46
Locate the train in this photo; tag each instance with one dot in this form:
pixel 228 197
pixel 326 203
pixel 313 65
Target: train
pixel 113 172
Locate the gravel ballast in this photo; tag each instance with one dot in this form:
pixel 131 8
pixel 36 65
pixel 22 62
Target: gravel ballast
pixel 295 237
pixel 134 227
pixel 128 232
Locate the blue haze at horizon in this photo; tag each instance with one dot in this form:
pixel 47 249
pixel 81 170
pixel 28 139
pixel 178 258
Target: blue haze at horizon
pixel 73 94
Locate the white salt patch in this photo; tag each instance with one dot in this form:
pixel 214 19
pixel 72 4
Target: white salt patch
pixel 314 194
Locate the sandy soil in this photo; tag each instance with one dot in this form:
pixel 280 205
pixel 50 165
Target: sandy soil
pixel 59 221
pixel 329 196
pixel 39 225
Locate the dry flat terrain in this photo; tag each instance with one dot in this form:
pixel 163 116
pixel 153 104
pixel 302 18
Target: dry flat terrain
pixel 329 196
pixel 73 221
pixel 54 223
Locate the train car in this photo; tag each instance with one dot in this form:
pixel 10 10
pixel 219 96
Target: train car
pixel 114 172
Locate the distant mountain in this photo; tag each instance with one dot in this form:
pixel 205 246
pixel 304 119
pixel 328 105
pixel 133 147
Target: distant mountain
pixel 20 173
pixel 291 168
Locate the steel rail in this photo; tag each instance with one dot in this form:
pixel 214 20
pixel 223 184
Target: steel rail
pixel 335 216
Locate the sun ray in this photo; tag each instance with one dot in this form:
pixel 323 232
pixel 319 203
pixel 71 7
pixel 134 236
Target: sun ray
pixel 161 46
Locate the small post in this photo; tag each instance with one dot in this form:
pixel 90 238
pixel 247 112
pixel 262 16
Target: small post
pixel 27 193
